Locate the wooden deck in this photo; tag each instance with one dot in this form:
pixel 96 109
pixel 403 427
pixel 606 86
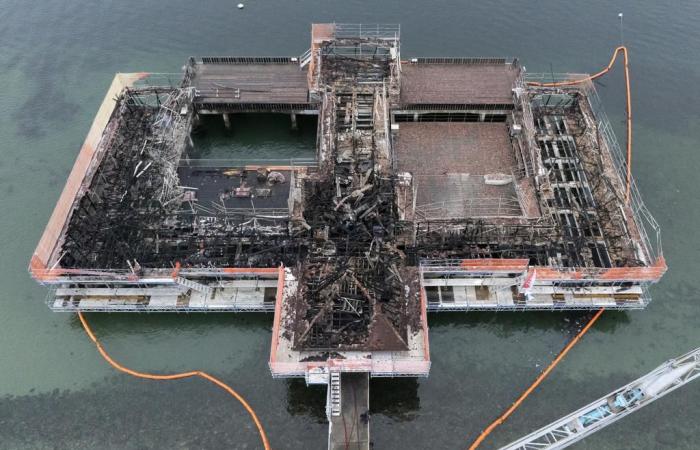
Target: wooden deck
pixel 350 430
pixel 221 84
pixel 467 84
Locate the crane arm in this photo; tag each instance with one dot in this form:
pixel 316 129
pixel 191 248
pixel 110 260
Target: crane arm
pixel 608 409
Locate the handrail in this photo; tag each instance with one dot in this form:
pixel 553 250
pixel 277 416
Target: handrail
pixel 242 60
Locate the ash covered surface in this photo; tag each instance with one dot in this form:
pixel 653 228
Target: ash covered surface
pixel 121 200
pixel 141 208
pixel 366 304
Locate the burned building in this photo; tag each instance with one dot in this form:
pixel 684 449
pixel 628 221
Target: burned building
pixel 438 184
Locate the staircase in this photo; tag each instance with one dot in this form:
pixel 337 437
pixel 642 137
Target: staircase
pixel 305 59
pixel 334 386
pixel 364 108
pixel 199 287
pixel 355 111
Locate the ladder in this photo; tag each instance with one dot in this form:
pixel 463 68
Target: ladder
pixel 305 59
pixel 334 386
pixel 572 428
pixel 364 108
pixel 204 289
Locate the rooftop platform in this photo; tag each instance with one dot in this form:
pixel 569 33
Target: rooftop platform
pixel 288 360
pixel 463 81
pixel 438 148
pixel 224 84
pixel 450 163
pixel 235 188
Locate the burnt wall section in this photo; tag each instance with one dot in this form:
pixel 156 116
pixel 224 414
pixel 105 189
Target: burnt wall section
pixel 569 177
pixel 353 291
pixel 135 186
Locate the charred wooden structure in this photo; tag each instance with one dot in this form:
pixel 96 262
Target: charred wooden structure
pixel 438 184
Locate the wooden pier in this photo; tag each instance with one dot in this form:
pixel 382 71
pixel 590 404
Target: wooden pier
pixel 240 84
pixel 439 184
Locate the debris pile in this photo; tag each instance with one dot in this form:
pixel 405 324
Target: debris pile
pixel 127 197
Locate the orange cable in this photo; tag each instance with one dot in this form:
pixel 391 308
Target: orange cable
pixel 621 49
pixel 176 376
pixel 536 383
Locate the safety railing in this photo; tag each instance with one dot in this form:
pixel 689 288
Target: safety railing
pixel 609 275
pixel 67 306
pixel 60 275
pixel 470 207
pixel 248 60
pixel 393 367
pixel 461 60
pixel 375 31
pixel 163 80
pixel 447 266
pixel 204 106
pixel 645 221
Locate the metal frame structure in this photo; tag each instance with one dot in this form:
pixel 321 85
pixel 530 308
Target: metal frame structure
pixel 645 221
pixel 348 224
pixel 607 410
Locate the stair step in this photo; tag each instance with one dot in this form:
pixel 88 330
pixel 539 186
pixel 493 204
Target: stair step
pixel 193 285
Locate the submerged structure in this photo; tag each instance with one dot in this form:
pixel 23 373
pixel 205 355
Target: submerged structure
pixel 438 184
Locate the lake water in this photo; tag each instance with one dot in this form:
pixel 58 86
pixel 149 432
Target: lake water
pixel 57 59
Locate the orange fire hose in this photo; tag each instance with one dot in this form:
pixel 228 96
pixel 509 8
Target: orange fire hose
pixel 621 49
pixel 177 376
pixel 537 381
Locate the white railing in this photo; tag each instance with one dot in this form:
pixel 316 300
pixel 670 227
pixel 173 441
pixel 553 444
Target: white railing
pixel 305 59
pixel 376 31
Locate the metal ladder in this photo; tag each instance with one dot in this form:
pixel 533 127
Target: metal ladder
pixel 193 285
pixel 364 107
pixel 305 59
pixel 335 393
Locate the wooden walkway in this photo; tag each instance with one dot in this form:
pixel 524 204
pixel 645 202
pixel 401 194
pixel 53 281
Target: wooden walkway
pixel 225 86
pixel 350 430
pixel 468 84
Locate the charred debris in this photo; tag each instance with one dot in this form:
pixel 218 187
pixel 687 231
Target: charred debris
pixel 348 228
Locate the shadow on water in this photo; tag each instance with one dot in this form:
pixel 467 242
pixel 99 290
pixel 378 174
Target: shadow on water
pixel 37 116
pixel 306 400
pixel 118 323
pixel 508 322
pixel 254 136
pixel 396 398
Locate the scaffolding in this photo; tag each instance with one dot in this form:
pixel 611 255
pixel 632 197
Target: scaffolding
pixel 527 174
pixel 639 215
